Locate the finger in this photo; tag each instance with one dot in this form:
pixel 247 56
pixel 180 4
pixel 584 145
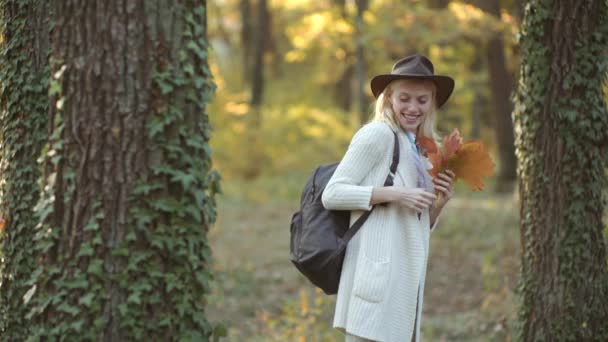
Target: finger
pixel 428 195
pixel 443 183
pixel 420 208
pixel 443 190
pixel 422 200
pixel 451 173
pixel 425 202
pixel 445 177
pixel 416 207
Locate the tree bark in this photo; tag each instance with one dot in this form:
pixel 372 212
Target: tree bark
pixel 501 84
pixel 562 124
pixel 23 116
pixel 128 187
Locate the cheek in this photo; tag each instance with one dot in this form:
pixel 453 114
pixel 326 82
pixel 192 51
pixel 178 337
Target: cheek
pixel 399 106
pixel 394 104
pixel 395 107
pixel 426 108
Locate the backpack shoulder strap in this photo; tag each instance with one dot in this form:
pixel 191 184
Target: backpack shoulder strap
pixel 389 181
pixel 393 168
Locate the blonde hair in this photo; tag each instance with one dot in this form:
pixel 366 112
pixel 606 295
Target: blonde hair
pixel 383 110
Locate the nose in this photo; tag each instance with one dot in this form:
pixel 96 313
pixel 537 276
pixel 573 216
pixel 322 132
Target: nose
pixel 412 107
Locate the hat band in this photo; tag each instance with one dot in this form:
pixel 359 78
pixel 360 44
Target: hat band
pixel 415 71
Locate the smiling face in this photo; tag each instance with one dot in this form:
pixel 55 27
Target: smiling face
pixel 411 101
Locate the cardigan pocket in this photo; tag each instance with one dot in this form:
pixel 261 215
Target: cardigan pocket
pixel 371 279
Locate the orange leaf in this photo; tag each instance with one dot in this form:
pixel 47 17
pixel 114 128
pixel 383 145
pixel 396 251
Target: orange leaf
pixel 430 150
pixel 472 164
pixel 437 160
pixel 451 143
pixel 428 144
pixel 2 222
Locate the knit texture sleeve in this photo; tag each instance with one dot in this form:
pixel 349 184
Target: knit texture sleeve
pixel 370 146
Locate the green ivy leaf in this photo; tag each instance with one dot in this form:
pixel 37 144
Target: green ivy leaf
pixel 87 299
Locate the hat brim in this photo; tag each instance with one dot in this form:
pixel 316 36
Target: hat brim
pixel 444 84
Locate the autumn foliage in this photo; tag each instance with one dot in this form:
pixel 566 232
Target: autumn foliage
pixel 469 161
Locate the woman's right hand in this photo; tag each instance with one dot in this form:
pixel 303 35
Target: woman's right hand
pixel 416 199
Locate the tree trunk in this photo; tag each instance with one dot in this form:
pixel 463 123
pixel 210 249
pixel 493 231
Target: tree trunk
pixel 261 35
pixel 342 88
pixel 272 45
pixel 361 65
pixel 246 41
pixel 128 188
pixel 438 4
pixel 479 100
pixel 256 149
pixel 562 126
pixel 343 93
pixel 501 84
pixel 23 116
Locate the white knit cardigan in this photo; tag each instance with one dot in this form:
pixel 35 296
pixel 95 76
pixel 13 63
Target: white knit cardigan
pixel 385 265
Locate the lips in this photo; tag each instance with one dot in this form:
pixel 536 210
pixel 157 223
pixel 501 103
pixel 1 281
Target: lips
pixel 410 118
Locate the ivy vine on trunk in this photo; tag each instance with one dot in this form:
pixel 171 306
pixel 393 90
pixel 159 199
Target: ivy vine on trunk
pixel 23 116
pixel 128 186
pixel 561 123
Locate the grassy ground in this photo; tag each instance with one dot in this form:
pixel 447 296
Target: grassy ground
pixel 260 296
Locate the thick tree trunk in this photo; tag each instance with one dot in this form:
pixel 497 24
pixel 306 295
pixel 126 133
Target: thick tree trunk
pixel 562 126
pixel 501 84
pixel 23 116
pixel 128 190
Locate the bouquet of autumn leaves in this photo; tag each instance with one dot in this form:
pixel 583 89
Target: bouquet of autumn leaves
pixel 469 161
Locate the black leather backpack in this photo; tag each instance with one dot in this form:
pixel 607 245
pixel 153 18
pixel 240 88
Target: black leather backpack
pixel 319 236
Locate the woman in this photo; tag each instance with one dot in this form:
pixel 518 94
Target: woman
pixel 382 281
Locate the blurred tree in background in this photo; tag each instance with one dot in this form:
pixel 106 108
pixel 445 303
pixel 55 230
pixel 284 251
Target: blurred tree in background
pixel 318 59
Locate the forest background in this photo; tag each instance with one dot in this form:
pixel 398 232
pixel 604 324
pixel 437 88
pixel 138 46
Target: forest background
pixel 292 87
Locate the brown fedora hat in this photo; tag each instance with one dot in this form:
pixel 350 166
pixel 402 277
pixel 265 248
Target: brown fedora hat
pixel 415 67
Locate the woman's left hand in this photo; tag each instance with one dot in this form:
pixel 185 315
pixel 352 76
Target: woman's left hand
pixel 444 185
